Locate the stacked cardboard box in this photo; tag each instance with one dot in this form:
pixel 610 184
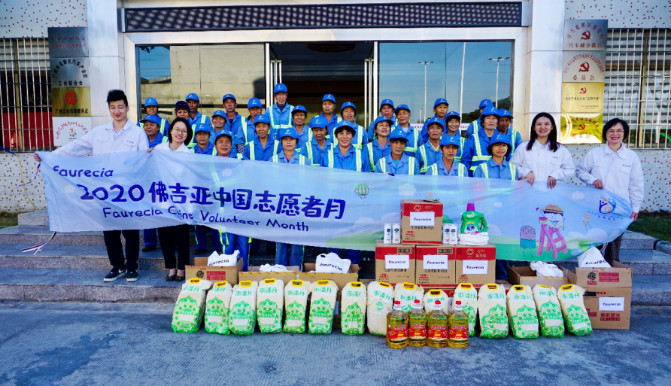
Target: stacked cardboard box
pixel 476 264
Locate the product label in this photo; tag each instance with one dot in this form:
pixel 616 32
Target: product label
pixel 399 333
pixel 438 332
pixel 435 262
pixel 397 262
pixel 458 333
pixel 422 219
pixel 475 267
pixel 611 304
pixel 418 331
pixel 609 277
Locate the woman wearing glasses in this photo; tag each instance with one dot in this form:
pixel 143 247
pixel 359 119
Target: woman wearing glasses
pixel 616 168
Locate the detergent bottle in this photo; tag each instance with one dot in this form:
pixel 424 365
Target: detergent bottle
pixel 472 222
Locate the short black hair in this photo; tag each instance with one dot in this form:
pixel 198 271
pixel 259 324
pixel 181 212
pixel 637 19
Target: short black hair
pixel 490 149
pixel 116 95
pixel 189 130
pixel 404 140
pixel 612 123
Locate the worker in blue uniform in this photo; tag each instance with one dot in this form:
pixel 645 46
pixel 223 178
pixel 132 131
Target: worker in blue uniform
pixel 475 125
pixel 219 121
pixel 348 113
pixel 279 114
pixel 302 130
pixel 440 107
pixel 475 150
pixel 413 135
pixel 151 108
pixel 506 127
pixel 379 147
pixel 247 131
pixel 429 152
pixel 196 116
pixel 452 124
pixel 398 162
pixel 235 120
pixel 329 115
pixel 264 146
pixel 315 147
pixel 181 110
pixel 387 111
pixel 448 164
pixel 151 126
pixel 203 145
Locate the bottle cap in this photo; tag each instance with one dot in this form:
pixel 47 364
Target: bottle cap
pixel 458 302
pixel 397 302
pixel 438 302
pixel 416 301
pixel 470 207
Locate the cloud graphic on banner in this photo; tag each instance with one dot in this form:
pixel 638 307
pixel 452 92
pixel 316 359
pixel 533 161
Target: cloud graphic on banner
pixel 69 189
pixel 227 172
pixel 407 190
pixel 578 196
pixel 367 224
pixel 494 230
pixel 594 235
pixel 498 204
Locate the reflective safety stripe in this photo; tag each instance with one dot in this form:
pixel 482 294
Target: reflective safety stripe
pixel 358 160
pixel 310 155
pixel 462 141
pixel 252 156
pixel 272 119
pixel 383 165
pixel 514 135
pixel 371 159
pixel 243 123
pixel 165 139
pixel 301 159
pixel 433 170
pixel 479 156
pixel 357 153
pixel 413 149
pixel 462 170
pixel 276 145
pixel 485 170
pixel 330 163
pixel 422 153
pixel 411 166
pixel 276 158
pixel 163 122
pixel 513 171
pixel 476 126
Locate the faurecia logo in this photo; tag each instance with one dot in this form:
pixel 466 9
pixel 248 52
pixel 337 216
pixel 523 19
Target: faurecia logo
pixel 606 205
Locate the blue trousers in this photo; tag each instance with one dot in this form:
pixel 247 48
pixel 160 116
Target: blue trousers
pixel 150 237
pixel 352 255
pixel 201 237
pixel 232 243
pixel 289 254
pixel 501 270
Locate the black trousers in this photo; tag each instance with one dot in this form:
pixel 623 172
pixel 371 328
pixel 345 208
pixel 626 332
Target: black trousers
pixel 115 249
pixel 171 236
pixel 612 252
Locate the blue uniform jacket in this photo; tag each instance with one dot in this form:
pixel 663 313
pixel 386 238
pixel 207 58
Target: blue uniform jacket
pixel 371 127
pixel 496 171
pixel 316 151
pixel 378 151
pixel 469 149
pixel 200 118
pixel 438 169
pixel 348 161
pixel 403 166
pixel 279 117
pixel 425 129
pixel 255 152
pixel 157 140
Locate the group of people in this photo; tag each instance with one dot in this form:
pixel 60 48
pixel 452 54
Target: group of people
pixel 489 148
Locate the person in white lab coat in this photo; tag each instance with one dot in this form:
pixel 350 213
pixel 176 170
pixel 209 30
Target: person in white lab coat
pixel 615 167
pixel 542 158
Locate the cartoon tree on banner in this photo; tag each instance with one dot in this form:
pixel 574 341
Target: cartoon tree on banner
pixel 551 222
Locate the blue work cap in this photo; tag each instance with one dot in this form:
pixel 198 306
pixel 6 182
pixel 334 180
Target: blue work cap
pixel 204 127
pixel 254 102
pixel 290 132
pixel 318 122
pixel 382 119
pixel 228 96
pixel 387 102
pixel 345 125
pixel 219 113
pixel 440 101
pixel 328 97
pixel 450 140
pixel 505 113
pixel 398 134
pixel 435 120
pixel 152 118
pixel 452 115
pixel 181 104
pixel 150 102
pixel 225 131
pixel 500 138
pixel 347 104
pixel 485 102
pixel 490 110
pixel 262 119
pixel 280 87
pixel 299 109
pixel 402 107
pixel 193 96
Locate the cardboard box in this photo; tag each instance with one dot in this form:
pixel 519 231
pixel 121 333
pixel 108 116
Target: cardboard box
pixel 476 264
pixel 435 265
pixel 527 276
pixel 449 290
pixel 341 279
pixel 214 274
pixel 399 258
pixel 421 222
pixel 253 274
pixel 607 296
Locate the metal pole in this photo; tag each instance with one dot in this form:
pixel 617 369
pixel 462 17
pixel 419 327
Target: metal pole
pixel 424 91
pixel 497 83
pixel 461 90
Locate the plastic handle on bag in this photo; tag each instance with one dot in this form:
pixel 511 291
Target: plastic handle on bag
pixel 194 280
pixel 322 282
pixel 269 281
pixel 246 283
pixel 492 287
pixel 297 283
pixel 221 284
pixel 566 287
pixel 435 292
pixel 518 288
pixel 408 286
pixel 356 284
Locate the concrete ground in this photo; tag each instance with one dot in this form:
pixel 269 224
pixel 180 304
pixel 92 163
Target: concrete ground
pixel 98 343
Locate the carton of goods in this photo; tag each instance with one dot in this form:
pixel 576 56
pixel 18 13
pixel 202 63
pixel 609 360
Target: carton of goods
pixel 242 315
pixel 394 263
pixel 255 274
pixel 549 311
pixel 476 264
pixel 380 303
pixel 201 270
pixel 353 303
pixel 269 305
pixel 527 276
pixel 430 298
pixel 492 311
pixel 421 222
pixel 341 279
pixel 322 306
pixel 295 305
pixel 217 308
pixel 575 312
pixel 522 312
pixel 406 293
pixel 435 265
pixel 466 293
pixel 190 304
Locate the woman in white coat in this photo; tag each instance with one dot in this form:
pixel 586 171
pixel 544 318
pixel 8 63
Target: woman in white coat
pixel 542 158
pixel 616 168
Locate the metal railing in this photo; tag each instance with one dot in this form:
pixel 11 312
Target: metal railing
pixel 25 95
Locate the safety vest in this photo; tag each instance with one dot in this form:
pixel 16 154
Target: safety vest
pixel 280 127
pixel 371 159
pixel 461 169
pixel 301 159
pixel 462 141
pixel 161 129
pixel 479 156
pixel 331 161
pixel 425 160
pixel 512 139
pixel 513 171
pixel 476 126
pixel 413 149
pixel 411 166
pixel 252 153
pixel 243 123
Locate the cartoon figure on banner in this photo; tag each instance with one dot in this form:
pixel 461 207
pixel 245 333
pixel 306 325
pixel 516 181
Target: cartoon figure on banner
pixel 552 221
pixel 586 222
pixel 606 205
pixel 527 238
pixel 362 191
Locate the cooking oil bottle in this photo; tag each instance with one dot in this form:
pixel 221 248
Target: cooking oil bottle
pixel 397 327
pixel 458 327
pixel 417 329
pixel 437 320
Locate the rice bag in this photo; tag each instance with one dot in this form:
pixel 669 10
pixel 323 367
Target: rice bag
pixel 573 307
pixel 469 303
pixel 522 312
pixel 217 308
pixel 406 293
pixel 549 311
pixel 353 308
pixel 295 305
pixel 492 311
pixel 430 298
pixel 380 303
pixel 190 305
pixel 242 315
pixel 322 306
pixel 269 305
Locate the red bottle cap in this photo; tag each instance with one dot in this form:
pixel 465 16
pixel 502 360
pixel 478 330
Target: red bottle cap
pixel 458 302
pixel 438 302
pixel 416 301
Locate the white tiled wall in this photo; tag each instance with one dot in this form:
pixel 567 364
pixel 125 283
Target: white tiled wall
pixel 623 13
pixel 31 18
